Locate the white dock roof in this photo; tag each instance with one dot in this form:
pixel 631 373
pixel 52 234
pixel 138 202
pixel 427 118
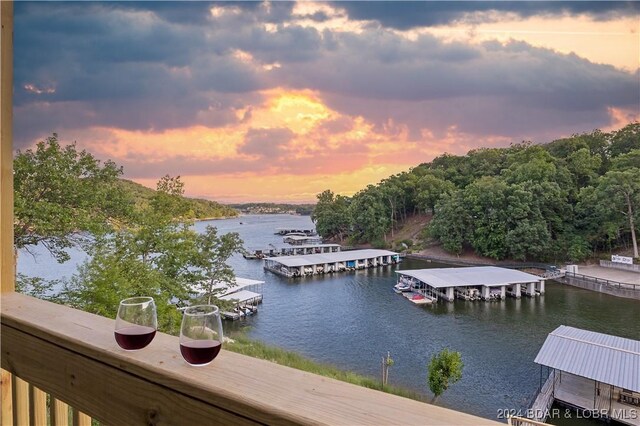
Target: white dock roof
pixel 489 276
pixel 608 359
pixel 240 284
pixel 302 237
pixel 319 259
pixel 241 296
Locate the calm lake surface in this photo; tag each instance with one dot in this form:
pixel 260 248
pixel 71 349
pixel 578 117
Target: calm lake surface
pixel 352 319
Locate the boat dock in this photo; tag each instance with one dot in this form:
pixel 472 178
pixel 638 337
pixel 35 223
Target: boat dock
pixel 472 283
pixel 594 373
pixel 293 251
pixel 246 302
pixel 305 231
pixel 313 264
pixel 298 240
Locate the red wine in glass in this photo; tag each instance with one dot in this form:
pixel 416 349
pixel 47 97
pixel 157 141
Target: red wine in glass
pixel 136 323
pixel 134 337
pixel 200 352
pixel 200 334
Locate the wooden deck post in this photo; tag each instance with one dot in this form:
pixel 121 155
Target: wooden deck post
pixel 7 256
pixel 21 401
pixel 37 406
pixel 6 393
pixel 59 413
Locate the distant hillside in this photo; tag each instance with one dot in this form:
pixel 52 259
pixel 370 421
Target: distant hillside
pixel 274 208
pixel 202 209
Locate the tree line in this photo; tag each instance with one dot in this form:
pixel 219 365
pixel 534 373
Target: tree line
pixel 565 200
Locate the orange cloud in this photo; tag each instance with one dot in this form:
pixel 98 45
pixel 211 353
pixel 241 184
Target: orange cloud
pixel 316 148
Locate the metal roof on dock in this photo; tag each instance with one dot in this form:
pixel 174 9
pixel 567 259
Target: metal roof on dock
pixel 301 237
pixel 608 359
pixel 488 276
pixel 241 296
pixel 225 288
pixel 289 247
pixel 318 259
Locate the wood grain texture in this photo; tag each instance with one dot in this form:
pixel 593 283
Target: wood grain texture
pixel 38 407
pixel 20 401
pixel 7 256
pixel 59 413
pixel 81 419
pixel 251 388
pixel 6 395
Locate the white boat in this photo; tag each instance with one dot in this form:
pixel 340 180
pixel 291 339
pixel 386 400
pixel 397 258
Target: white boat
pixel 402 288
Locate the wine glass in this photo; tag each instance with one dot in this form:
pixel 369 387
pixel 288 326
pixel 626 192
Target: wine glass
pixel 200 334
pixel 136 323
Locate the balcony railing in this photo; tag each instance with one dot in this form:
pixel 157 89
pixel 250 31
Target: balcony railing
pixel 72 356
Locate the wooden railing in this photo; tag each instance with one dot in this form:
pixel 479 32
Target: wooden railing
pixel 72 356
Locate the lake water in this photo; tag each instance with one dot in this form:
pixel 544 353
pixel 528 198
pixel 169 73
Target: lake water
pixel 352 319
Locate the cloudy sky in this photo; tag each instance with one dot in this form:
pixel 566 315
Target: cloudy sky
pixel 281 100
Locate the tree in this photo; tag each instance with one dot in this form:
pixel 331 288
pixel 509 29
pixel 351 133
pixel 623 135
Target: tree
pixel 621 189
pixel 331 215
pixel 62 196
pixel 213 251
pixel 430 190
pixel 625 140
pixel 444 369
pixel 451 224
pixel 370 215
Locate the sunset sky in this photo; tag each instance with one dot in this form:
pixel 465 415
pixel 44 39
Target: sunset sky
pixel 277 101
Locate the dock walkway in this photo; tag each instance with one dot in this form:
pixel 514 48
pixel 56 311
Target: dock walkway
pixel 543 402
pixel 597 271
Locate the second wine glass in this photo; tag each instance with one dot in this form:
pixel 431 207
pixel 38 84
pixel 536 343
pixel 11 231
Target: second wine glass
pixel 136 323
pixel 200 334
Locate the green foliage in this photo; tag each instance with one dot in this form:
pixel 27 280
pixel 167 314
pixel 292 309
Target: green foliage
pixel 444 369
pixel 160 255
pixel 210 260
pixel 452 223
pixel 196 208
pixel 63 195
pixel 561 201
pixel 331 215
pixel 625 140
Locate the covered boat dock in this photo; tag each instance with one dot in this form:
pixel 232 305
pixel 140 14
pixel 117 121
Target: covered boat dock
pixel 298 240
pixel 298 266
pixel 305 231
pixel 245 301
pixel 477 282
pixel 592 372
pixel 293 250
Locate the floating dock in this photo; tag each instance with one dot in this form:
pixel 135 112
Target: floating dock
pixel 298 240
pixel 293 251
pixel 593 372
pixel 313 264
pixel 246 302
pixel 478 282
pixel 305 231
